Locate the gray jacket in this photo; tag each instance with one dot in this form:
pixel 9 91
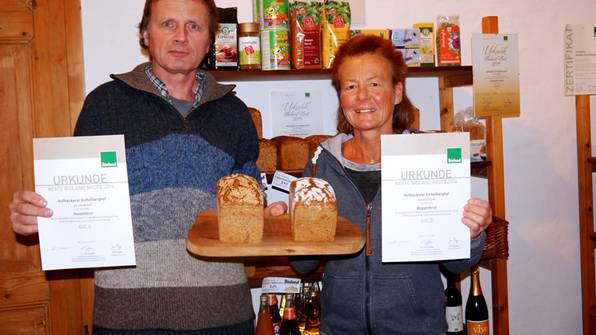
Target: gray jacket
pixel 360 294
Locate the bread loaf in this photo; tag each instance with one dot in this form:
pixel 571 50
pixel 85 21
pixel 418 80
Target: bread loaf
pixel 292 153
pixel 239 209
pixel 255 114
pixel 313 210
pixel 267 160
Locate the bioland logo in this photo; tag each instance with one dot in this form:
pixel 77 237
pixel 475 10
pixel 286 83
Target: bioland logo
pixel 108 159
pixel 453 155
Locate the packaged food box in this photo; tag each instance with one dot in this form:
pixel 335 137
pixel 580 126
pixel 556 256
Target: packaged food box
pixel 404 38
pixel 384 33
pixel 426 43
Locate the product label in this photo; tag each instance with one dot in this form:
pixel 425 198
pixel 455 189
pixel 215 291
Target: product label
pixel 250 50
pixel 426 41
pixel 275 14
pixel 226 49
pixel 449 45
pixel 312 47
pixel 276 328
pixel 455 322
pixel 276 50
pixel 478 327
pixel 289 314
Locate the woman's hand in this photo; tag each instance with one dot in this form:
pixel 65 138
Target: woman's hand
pixel 477 216
pixel 276 209
pixel 25 207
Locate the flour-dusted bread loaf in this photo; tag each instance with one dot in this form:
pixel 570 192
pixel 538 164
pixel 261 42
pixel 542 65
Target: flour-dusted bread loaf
pixel 239 209
pixel 292 153
pixel 267 160
pixel 313 210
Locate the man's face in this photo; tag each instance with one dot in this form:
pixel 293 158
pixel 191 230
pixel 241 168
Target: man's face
pixel 177 36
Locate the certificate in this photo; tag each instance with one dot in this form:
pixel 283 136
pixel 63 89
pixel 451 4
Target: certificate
pixel 495 75
pixel 296 113
pixel 425 180
pixel 85 182
pixel 580 59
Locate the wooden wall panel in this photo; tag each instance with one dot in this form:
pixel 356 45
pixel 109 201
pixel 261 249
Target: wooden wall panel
pixel 41 91
pixel 27 320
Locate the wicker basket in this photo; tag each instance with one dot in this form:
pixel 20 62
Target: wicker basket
pixel 496 244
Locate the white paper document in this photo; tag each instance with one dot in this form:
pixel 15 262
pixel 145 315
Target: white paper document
pixel 580 59
pixel 426 183
pixel 85 182
pixel 296 113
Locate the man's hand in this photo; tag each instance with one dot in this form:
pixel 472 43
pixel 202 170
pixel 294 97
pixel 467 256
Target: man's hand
pixel 25 207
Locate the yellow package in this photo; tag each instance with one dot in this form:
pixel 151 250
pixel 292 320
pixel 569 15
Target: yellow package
pixel 426 43
pixel 384 33
pixel 336 28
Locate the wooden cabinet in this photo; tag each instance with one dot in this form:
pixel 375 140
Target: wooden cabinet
pixel 496 252
pixel 41 93
pixel 26 320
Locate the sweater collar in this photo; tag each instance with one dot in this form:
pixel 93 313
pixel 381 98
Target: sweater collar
pixel 137 79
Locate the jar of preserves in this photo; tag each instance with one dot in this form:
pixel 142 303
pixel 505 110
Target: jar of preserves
pixel 249 46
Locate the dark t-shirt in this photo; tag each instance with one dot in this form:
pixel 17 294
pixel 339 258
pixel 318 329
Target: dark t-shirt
pixel 368 182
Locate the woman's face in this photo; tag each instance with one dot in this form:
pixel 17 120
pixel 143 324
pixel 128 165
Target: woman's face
pixel 367 94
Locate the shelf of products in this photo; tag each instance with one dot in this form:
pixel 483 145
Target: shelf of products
pixel 457 75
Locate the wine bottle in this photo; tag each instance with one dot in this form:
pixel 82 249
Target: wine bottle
pixel 274 312
pixel 476 310
pixel 264 324
pixel 289 325
pixel 453 308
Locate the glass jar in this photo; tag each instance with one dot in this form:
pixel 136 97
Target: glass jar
pixel 249 46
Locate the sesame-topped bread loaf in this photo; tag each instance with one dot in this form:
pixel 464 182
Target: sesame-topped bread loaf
pixel 239 209
pixel 313 210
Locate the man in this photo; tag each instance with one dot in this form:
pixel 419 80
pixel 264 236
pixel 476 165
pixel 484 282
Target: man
pixel 183 131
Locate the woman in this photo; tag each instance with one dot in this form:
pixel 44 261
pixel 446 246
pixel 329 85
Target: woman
pixel 360 294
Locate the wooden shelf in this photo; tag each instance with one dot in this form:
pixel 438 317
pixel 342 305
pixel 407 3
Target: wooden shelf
pixel 454 76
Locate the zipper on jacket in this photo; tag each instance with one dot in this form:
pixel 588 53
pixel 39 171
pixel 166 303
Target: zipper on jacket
pixel 368 253
pixel 367 228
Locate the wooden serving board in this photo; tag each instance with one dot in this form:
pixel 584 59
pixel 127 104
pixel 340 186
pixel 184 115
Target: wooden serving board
pixel 203 239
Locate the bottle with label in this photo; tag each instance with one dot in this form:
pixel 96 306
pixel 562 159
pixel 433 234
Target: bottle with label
pixel 274 312
pixel 264 324
pixel 302 306
pixel 289 325
pixel 453 308
pixel 476 310
pixel 313 322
